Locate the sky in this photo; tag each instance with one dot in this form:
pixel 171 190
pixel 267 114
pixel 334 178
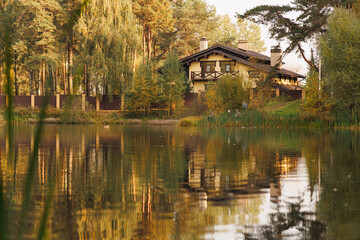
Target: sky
pixel 231 7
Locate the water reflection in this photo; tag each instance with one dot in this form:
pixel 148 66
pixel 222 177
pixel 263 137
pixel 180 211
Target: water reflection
pixel 175 183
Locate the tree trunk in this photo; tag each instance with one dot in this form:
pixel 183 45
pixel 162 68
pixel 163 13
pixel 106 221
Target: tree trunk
pixel 39 81
pixel 31 83
pixel 1 78
pixel 144 44
pixel 64 74
pixel 85 80
pixel 16 80
pixel 56 79
pixel 70 67
pixel 133 69
pixel 149 45
pixel 44 90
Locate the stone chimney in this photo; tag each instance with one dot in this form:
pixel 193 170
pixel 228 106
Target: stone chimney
pixel 243 44
pixel 276 56
pixel 203 43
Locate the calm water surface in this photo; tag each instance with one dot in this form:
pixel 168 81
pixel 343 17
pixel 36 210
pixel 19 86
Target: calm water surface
pixel 180 183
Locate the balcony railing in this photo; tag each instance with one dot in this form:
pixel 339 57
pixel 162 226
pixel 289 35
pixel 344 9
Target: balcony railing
pixel 198 75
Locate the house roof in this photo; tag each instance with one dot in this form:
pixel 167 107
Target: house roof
pixel 248 58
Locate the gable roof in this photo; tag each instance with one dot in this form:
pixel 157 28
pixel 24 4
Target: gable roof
pixel 248 58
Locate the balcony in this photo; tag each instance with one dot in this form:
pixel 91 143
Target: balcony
pixel 205 76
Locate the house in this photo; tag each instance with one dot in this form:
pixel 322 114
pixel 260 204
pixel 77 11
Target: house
pixel 209 65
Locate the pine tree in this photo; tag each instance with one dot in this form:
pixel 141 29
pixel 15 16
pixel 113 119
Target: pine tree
pixel 36 37
pixel 155 16
pixel 311 20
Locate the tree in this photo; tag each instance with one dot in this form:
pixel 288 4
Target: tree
pixel 229 33
pixel 193 19
pixel 340 53
pixel 145 92
pixel 173 81
pixel 35 46
pixel 109 36
pixel 315 103
pixel 228 93
pixel 155 16
pixel 311 20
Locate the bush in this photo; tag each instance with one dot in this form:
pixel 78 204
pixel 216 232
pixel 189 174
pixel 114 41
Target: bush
pixel 228 93
pixel 72 111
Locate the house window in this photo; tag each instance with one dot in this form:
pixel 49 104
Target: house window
pixel 208 66
pixel 227 66
pixel 254 74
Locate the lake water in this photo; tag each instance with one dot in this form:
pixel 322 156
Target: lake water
pixel 135 182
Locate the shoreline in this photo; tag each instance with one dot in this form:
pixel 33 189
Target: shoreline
pixel 153 122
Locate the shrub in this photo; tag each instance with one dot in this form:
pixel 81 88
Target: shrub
pixel 72 111
pixel 228 93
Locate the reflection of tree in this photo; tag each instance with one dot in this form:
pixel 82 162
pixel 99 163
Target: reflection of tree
pixel 300 223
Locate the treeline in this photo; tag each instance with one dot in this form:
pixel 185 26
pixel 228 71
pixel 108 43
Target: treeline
pixel 97 46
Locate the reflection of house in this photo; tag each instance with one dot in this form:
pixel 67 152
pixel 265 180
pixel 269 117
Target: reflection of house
pixel 210 64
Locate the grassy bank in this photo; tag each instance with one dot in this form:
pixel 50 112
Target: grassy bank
pixel 55 116
pixel 278 113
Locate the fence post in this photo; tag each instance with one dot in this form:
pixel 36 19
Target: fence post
pixel 83 101
pixel 97 103
pixel 251 94
pixel 32 101
pixel 277 92
pixel 303 94
pixel 122 102
pixel 7 100
pixel 57 100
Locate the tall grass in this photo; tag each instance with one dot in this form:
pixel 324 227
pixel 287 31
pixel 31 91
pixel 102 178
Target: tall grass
pixel 253 118
pixel 256 119
pixel 5 197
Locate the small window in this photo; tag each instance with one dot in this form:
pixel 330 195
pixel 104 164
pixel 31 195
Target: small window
pixel 208 66
pixel 254 74
pixel 227 66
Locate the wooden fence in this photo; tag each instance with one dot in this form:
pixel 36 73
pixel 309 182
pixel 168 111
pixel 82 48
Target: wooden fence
pixel 103 103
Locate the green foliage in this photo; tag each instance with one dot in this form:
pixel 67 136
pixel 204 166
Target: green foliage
pixel 139 100
pixel 312 16
pixel 109 36
pixel 155 16
pixel 340 52
pixel 228 93
pixel 316 103
pixel 229 33
pixel 193 19
pixel 72 111
pixel 173 82
pixel 262 93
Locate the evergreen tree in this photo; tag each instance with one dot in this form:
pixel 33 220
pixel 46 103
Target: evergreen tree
pixel 311 20
pixel 173 81
pixel 193 19
pixel 36 38
pixel 155 16
pixel 229 33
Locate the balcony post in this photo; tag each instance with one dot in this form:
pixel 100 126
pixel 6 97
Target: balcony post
pixel 217 67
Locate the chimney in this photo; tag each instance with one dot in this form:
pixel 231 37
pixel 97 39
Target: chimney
pixel 243 44
pixel 276 56
pixel 203 43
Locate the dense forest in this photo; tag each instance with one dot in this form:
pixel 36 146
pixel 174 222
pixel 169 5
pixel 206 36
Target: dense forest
pixel 97 46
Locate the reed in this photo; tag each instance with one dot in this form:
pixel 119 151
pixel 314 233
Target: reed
pixel 7 222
